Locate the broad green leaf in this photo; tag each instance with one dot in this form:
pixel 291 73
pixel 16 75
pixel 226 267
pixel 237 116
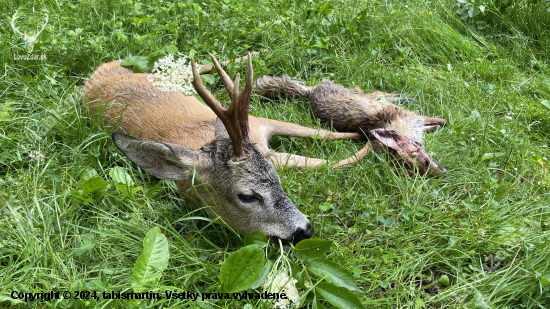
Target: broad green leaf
pixel 139 64
pixel 339 297
pixel 257 238
pixel 312 248
pixel 545 103
pixel 84 248
pixel 444 281
pixel 208 79
pixel 263 275
pixel 119 174
pixel 127 190
pixel 151 262
pixel 93 184
pixel 171 49
pixel 333 273
pixel 89 173
pixel 242 269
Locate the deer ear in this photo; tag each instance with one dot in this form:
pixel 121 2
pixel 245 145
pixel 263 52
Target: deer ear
pixel 394 140
pixel 220 132
pixel 162 160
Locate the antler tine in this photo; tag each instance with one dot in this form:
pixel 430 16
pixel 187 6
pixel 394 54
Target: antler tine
pixel 46 23
pixel 228 116
pixel 13 24
pixel 244 102
pixel 225 78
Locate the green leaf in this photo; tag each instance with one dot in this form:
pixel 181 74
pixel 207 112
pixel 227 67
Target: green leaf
pixel 325 206
pixel 4 115
pixel 257 238
pixel 480 302
pixel 208 79
pixel 93 184
pixel 339 297
pixel 139 64
pixel 242 269
pixel 88 173
pixel 151 262
pixel 84 248
pixel 543 102
pixel 119 174
pixel 444 281
pixel 333 273
pixel 491 155
pixel 141 20
pixel 171 49
pixel 316 304
pixel 544 280
pixel 127 190
pixel 263 275
pixel 312 248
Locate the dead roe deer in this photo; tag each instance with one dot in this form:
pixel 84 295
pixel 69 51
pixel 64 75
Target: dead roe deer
pixel 372 114
pixel 218 156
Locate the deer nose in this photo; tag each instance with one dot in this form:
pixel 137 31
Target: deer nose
pixel 301 234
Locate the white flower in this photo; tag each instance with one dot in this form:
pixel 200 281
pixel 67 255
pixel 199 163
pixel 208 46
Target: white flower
pixel 515 168
pixel 532 246
pixel 482 233
pixel 473 138
pixel 36 155
pixel 169 75
pixel 280 281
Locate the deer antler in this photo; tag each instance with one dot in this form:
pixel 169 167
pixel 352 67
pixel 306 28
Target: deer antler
pixel 244 96
pixel 234 118
pixel 43 27
pixel 13 24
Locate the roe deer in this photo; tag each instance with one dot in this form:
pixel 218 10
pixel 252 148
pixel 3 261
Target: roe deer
pixel 372 114
pixel 227 148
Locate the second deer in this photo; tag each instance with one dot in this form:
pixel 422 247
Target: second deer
pixel 388 127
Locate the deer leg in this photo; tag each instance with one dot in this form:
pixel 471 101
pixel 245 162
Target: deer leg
pixel 282 160
pixel 433 123
pixel 280 128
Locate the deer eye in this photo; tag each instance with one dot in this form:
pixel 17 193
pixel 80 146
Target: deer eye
pixel 426 163
pixel 247 198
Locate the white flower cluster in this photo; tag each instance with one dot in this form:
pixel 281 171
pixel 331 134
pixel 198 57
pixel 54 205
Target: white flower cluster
pixel 169 75
pixel 36 155
pixel 280 281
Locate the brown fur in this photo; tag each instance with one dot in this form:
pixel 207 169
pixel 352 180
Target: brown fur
pixel 354 111
pixel 174 134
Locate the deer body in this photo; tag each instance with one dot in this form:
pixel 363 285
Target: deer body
pixel 372 114
pixel 174 134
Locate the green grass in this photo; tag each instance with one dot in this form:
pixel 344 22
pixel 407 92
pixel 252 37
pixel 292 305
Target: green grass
pixel 490 82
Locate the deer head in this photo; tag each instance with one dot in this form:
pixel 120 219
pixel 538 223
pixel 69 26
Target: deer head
pixel 29 39
pixel 414 157
pixel 237 182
